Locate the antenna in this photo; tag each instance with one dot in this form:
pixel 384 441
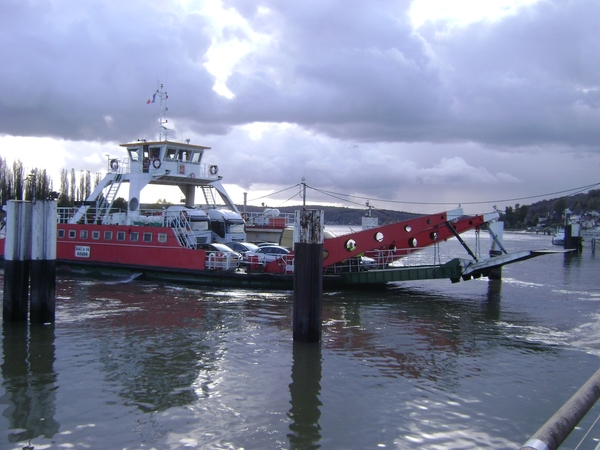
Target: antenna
pixel 162 121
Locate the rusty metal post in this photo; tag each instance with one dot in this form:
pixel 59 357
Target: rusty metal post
pixel 308 275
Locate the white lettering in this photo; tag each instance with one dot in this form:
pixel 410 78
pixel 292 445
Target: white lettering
pixel 82 251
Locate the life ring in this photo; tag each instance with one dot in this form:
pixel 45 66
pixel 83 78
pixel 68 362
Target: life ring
pixel 156 163
pixel 184 216
pixel 192 175
pixel 245 216
pixel 214 170
pixel 114 164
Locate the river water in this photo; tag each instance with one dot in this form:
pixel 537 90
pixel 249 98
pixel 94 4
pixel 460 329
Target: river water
pixel 133 364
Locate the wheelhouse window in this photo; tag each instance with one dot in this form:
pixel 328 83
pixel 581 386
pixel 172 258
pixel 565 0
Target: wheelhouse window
pixel 154 152
pixel 108 235
pixel 185 155
pixel 95 235
pixel 72 234
pixel 147 237
pixel 120 236
pixel 134 236
pixel 171 154
pixel 134 154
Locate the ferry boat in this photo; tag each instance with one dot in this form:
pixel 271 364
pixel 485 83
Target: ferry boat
pixel 174 242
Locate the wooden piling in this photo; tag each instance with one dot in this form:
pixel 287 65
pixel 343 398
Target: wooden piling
pixel 573 240
pixel 43 262
pixel 308 275
pixel 17 251
pixel 497 235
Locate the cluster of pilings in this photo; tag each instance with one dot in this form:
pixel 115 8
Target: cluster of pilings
pixel 30 261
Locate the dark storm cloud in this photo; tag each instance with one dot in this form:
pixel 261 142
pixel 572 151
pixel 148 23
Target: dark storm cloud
pixel 356 70
pixel 83 70
pixel 349 69
pixel 531 78
pixel 352 70
pixel 375 106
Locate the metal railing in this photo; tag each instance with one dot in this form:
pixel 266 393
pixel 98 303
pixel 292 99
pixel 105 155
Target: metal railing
pixel 553 433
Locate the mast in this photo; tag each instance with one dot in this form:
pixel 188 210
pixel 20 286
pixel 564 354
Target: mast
pixel 163 130
pixel 162 119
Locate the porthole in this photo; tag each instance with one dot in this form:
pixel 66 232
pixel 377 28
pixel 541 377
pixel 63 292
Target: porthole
pixel 350 245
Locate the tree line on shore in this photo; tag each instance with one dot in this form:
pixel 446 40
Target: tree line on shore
pixel 550 213
pixel 16 184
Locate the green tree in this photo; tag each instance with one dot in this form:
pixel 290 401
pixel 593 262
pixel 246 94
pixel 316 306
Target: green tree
pixel 560 205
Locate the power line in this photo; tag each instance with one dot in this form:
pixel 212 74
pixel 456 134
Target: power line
pixel 573 191
pixel 347 197
pixel 274 193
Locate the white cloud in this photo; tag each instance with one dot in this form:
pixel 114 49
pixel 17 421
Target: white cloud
pixel 464 12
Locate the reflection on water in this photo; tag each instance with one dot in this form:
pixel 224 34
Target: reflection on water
pixel 144 365
pixel 304 390
pixel 29 381
pixel 494 300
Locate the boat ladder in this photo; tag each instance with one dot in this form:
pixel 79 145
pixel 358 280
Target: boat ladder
pixel 105 202
pixel 184 233
pixel 209 195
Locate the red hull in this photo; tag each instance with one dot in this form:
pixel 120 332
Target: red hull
pixel 72 245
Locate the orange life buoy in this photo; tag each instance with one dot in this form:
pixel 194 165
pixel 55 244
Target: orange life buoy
pixel 214 170
pixel 114 164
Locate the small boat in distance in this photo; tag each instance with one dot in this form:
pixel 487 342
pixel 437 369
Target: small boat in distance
pixel 558 238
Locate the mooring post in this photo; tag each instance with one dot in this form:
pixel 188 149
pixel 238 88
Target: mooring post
pixel 573 237
pixel 497 237
pixel 17 252
pixel 43 262
pixel 308 275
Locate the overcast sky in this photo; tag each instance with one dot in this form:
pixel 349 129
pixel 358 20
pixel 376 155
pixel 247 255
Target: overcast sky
pixel 478 103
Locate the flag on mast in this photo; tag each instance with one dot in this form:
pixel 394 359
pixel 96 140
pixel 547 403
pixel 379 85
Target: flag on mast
pixel 152 100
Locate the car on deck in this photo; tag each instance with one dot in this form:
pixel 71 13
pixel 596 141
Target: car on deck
pixel 268 253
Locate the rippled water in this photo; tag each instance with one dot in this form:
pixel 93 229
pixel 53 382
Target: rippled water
pixel 472 365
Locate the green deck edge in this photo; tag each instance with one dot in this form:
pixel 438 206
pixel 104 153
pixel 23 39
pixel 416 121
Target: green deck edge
pixel 450 270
